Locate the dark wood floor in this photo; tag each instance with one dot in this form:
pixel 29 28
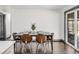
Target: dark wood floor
pixel 62 48
pixel 58 48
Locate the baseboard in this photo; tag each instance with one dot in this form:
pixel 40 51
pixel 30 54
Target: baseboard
pixel 58 40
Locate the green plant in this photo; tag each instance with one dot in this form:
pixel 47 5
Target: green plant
pixel 33 27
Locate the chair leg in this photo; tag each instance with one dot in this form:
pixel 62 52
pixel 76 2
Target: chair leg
pixel 25 47
pixel 37 48
pixel 50 45
pixel 21 48
pixel 44 48
pixel 23 51
pixel 30 48
pixel 47 47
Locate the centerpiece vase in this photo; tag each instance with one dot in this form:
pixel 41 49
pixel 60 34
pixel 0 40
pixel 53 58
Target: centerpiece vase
pixel 33 28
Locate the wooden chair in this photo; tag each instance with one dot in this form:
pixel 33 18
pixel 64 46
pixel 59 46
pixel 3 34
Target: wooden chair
pixel 40 40
pixel 26 39
pixel 17 39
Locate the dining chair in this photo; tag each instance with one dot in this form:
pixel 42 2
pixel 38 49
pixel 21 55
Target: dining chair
pixel 26 40
pixel 17 43
pixel 40 38
pixel 16 37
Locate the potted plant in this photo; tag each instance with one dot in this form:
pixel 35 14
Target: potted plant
pixel 33 27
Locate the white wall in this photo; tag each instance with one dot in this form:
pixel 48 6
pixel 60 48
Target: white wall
pixel 45 19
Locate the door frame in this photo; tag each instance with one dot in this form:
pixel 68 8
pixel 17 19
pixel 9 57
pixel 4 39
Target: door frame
pixel 65 25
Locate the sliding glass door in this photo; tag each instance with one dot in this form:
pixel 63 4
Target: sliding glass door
pixel 70 28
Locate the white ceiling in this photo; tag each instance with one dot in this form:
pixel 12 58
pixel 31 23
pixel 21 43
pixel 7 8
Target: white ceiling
pixel 56 7
pixel 38 6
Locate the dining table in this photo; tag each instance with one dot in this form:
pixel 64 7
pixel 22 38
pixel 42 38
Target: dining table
pixel 48 35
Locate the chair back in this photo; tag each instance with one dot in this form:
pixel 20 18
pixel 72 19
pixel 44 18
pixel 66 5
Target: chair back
pixel 26 38
pixel 15 36
pixel 40 38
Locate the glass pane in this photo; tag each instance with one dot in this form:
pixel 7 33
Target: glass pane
pixel 78 25
pixel 71 16
pixel 70 26
pixel 70 23
pixel 1 27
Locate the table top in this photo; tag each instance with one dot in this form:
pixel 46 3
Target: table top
pixel 35 33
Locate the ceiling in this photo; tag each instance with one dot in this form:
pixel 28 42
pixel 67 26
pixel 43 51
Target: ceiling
pixel 56 7
pixel 38 6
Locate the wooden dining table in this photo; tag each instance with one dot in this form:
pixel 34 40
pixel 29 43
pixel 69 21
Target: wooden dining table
pixel 34 34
